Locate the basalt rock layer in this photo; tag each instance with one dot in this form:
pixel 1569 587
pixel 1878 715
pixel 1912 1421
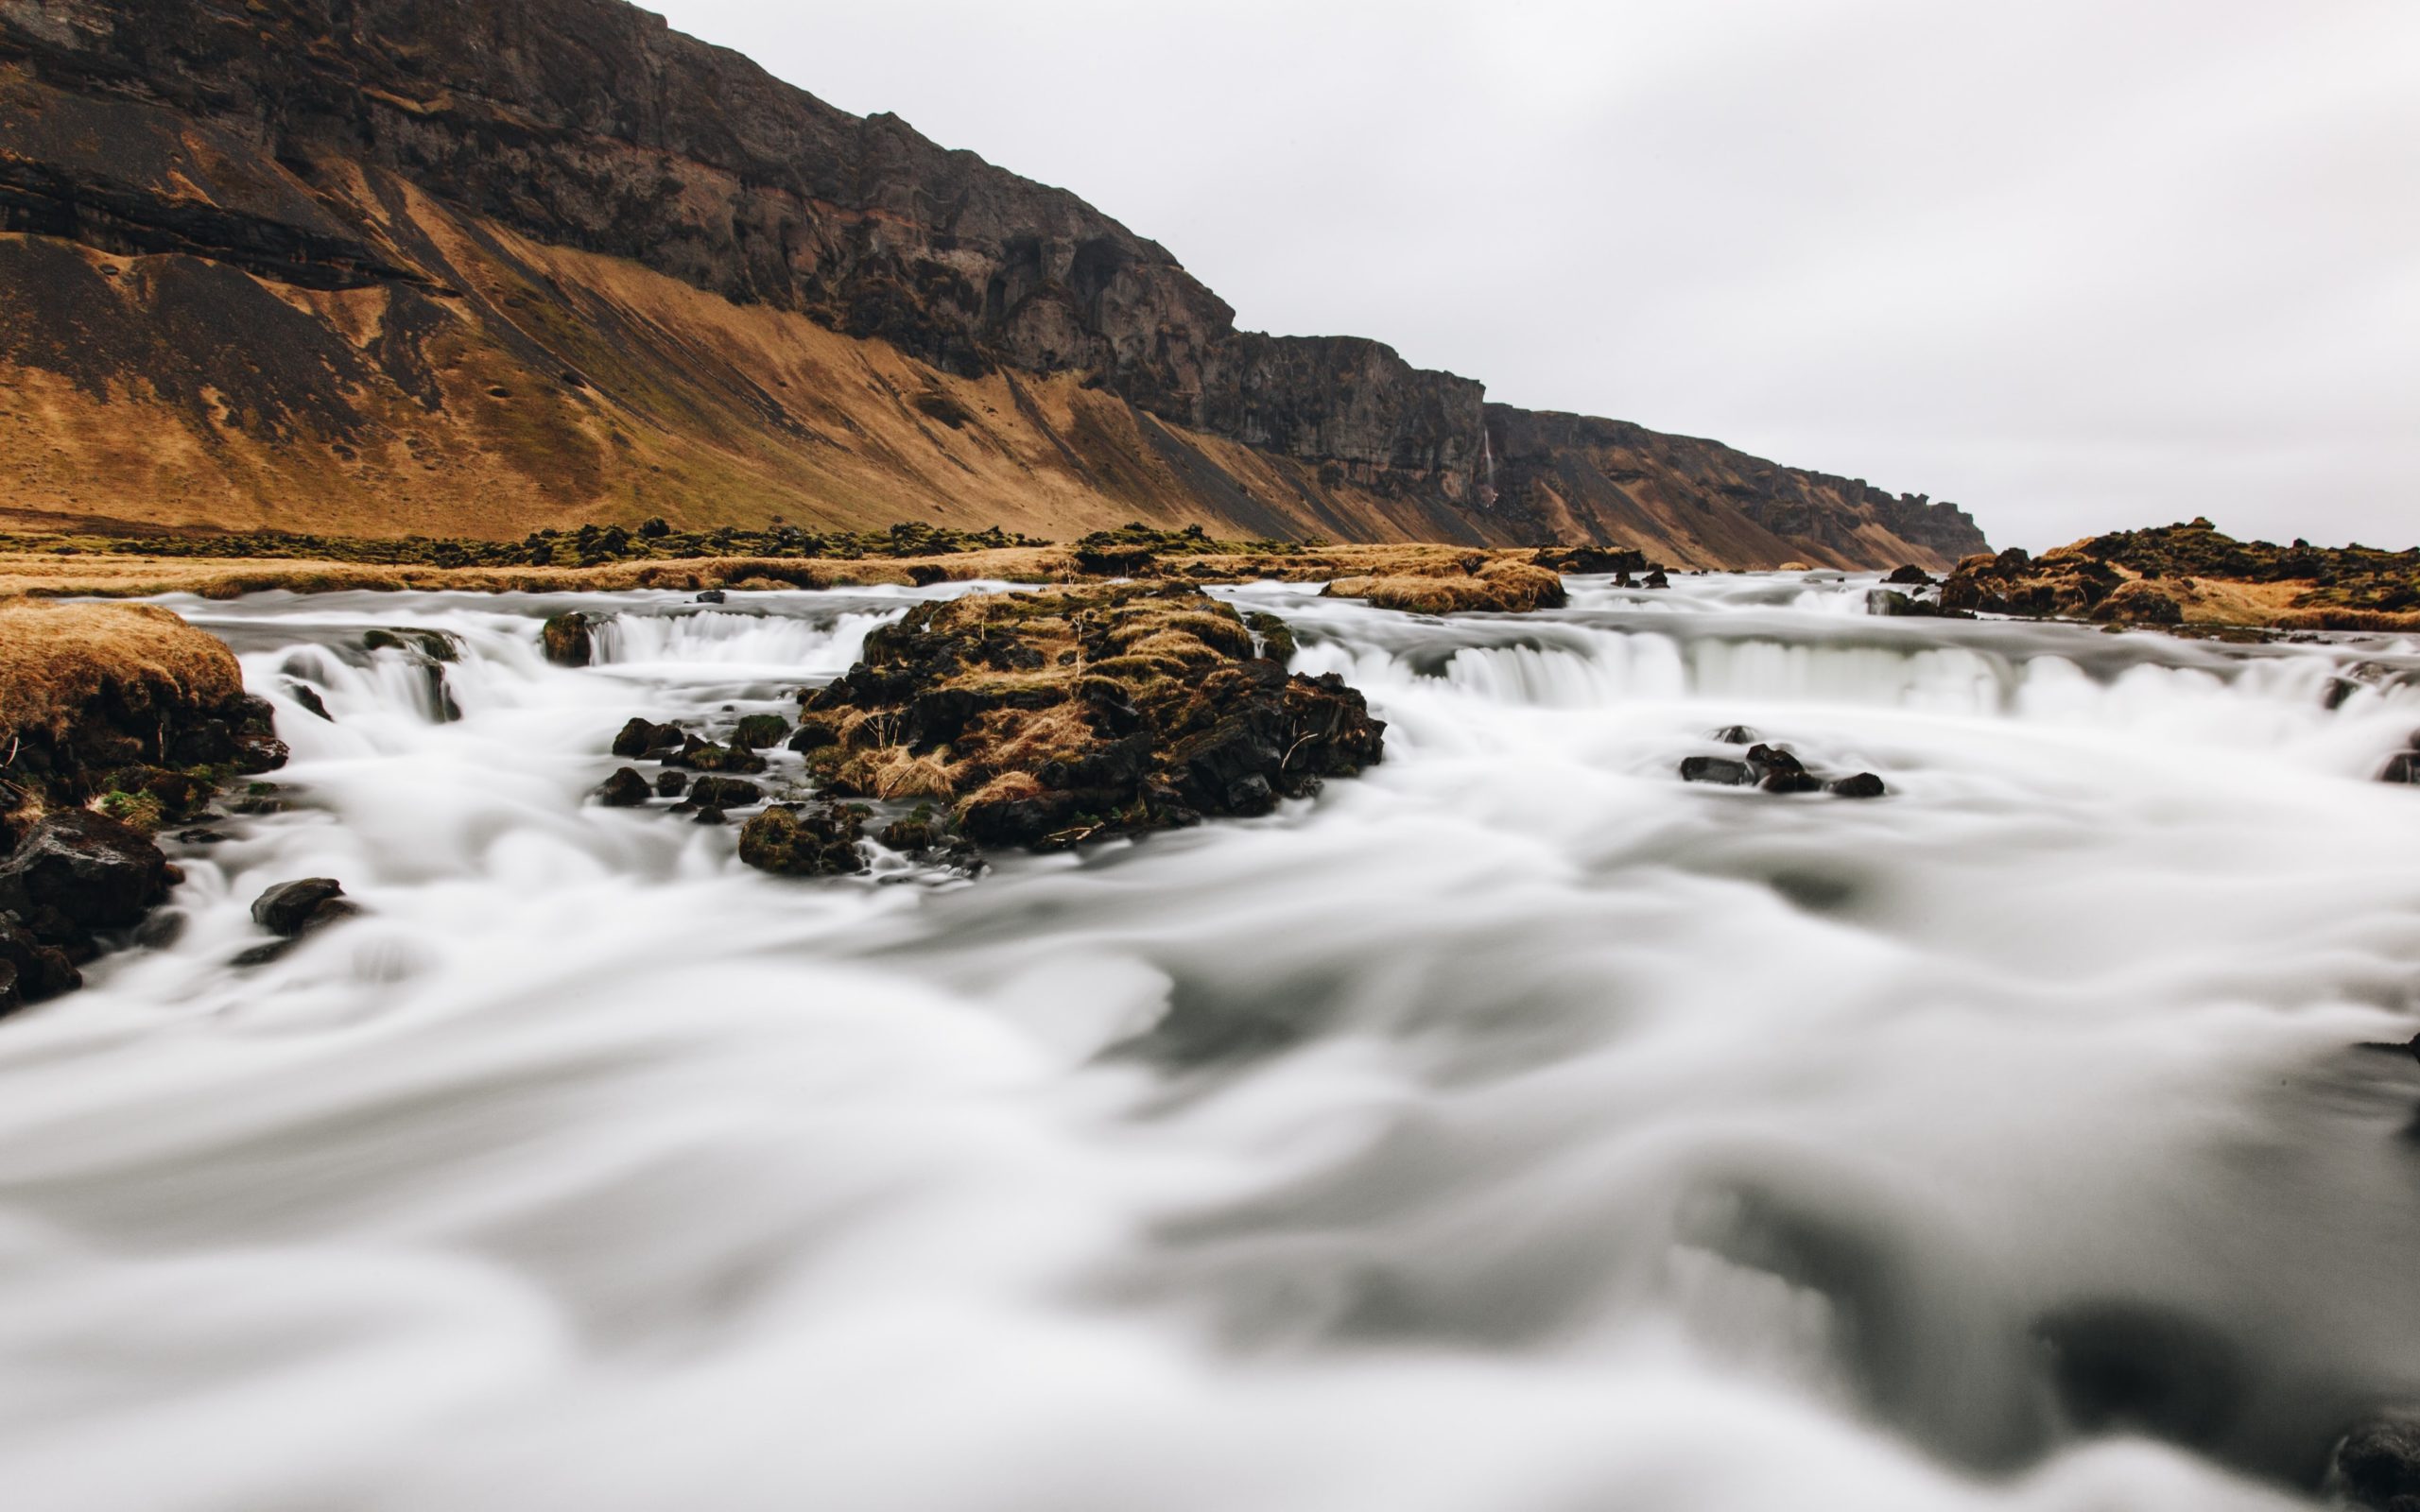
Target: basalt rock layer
pixel 454 266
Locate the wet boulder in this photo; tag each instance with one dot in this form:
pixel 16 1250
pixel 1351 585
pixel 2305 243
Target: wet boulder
pixel 309 697
pixel 438 645
pixel 707 814
pixel 757 732
pixel 1737 735
pixel 1276 637
pixel 1889 603
pixel 1910 575
pixel 820 842
pixel 1655 579
pixel 94 872
pixel 1777 771
pixel 671 783
pixel 1721 771
pixel 292 909
pixel 1590 559
pixel 705 756
pixel 2376 1465
pixel 710 595
pixel 625 789
pixel 1861 784
pixel 725 793
pixel 35 969
pixel 641 739
pixel 569 638
pixel 2403 766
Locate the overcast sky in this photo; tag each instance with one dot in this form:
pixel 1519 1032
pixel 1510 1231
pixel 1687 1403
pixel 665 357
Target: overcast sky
pixel 2077 264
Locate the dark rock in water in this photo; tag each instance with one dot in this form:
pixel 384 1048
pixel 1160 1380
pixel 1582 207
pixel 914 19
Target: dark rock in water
pixel 1277 641
pixel 671 783
pixel 290 908
pixel 1737 735
pixel 1655 579
pixel 202 837
pixel 1590 559
pixel 757 731
pixel 1771 760
pixel 2378 1465
pixel 38 970
pixel 725 793
pixel 97 872
pixel 164 928
pixel 1864 784
pixel 641 739
pixel 2403 766
pixel 1014 821
pixel 1889 603
pixel 812 735
pixel 705 756
pixel 821 842
pixel 710 595
pixel 435 644
pixel 2126 1367
pixel 1910 575
pixel 625 789
pixel 569 638
pixel 920 831
pixel 309 697
pixel 1720 770
pixel 708 814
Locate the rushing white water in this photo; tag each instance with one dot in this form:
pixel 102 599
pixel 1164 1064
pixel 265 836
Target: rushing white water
pixel 1511 1127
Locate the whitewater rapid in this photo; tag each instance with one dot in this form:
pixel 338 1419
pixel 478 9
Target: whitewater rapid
pixel 1512 1127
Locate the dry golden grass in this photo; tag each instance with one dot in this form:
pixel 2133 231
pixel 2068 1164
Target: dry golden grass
pixel 1503 587
pixel 56 659
pixel 132 577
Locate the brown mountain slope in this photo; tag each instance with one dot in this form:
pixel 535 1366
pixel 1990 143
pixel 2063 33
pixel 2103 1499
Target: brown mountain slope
pixel 443 265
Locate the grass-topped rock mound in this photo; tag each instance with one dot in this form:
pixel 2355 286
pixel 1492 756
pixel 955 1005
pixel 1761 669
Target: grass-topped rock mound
pixel 115 721
pixel 1471 582
pixel 1047 719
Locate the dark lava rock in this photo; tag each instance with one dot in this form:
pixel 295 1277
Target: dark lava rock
pixel 2403 766
pixel 1590 559
pixel 821 842
pixel 920 831
pixel 292 909
pixel 37 969
pixel 705 756
pixel 1864 784
pixel 1721 770
pixel 1768 761
pixel 725 793
pixel 640 739
pixel 708 814
pixel 710 595
pixel 2378 1465
pixel 309 697
pixel 1910 575
pixel 95 871
pixel 625 789
pixel 435 644
pixel 757 731
pixel 671 783
pixel 1737 735
pixel 1276 637
pixel 569 638
pixel 1655 579
pixel 1889 603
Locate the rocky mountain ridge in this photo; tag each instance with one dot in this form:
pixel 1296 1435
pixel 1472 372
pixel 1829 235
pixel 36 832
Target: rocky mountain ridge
pixel 326 249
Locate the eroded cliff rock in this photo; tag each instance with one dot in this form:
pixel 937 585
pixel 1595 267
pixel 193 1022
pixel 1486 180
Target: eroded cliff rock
pixel 451 265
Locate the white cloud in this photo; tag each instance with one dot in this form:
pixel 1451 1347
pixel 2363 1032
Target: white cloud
pixel 2078 264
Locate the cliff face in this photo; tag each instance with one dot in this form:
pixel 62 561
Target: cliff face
pixel 309 239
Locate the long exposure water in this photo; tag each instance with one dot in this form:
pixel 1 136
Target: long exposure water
pixel 1512 1127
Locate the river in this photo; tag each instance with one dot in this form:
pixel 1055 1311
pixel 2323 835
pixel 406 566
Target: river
pixel 1512 1127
